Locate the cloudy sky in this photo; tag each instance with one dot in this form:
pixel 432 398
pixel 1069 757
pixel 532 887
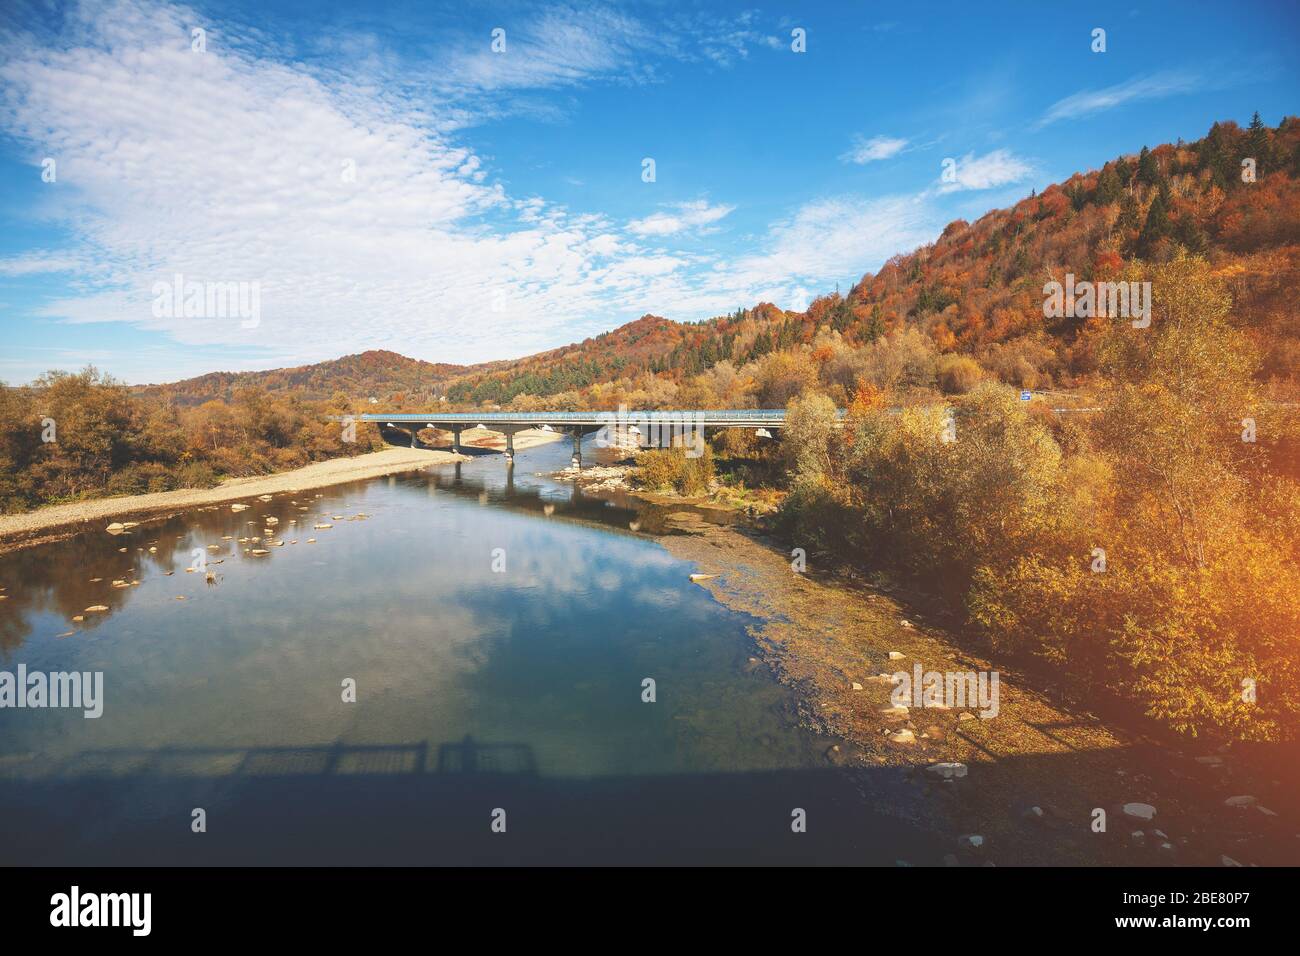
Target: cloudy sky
pixel 469 181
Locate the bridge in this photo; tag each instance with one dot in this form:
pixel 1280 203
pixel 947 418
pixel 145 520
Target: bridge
pixel 652 428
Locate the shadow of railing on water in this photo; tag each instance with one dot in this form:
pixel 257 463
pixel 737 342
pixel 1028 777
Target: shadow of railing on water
pixel 419 804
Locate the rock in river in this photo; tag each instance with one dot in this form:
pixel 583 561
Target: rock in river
pixel 1139 811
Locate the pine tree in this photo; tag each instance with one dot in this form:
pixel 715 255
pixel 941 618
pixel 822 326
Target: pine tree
pixel 1259 145
pixel 1190 235
pixel 1124 172
pixel 875 325
pixel 1109 188
pixel 1148 173
pixel 1214 156
pixel 1157 225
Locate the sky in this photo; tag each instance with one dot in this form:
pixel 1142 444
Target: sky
pixel 462 182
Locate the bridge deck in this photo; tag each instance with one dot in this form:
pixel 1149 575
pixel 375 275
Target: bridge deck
pixel 757 417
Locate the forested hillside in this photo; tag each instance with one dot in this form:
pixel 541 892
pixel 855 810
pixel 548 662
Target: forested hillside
pixel 974 295
pixel 378 373
pixel 937 319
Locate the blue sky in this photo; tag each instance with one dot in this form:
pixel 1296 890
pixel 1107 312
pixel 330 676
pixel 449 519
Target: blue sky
pixel 497 205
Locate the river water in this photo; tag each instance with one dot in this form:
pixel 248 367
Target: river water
pixel 498 629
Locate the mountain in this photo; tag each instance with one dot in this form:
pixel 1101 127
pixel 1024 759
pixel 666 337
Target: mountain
pixel 978 290
pixel 974 295
pixel 378 373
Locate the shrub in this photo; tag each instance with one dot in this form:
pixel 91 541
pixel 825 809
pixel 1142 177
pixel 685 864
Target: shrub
pixel 957 374
pixel 196 474
pixel 130 480
pixel 670 468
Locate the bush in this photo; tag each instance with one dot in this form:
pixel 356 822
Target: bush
pixel 138 479
pixel 957 374
pixel 901 361
pixel 127 481
pixel 669 468
pixel 196 474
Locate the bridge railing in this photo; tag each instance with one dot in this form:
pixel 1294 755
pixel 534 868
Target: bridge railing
pixel 774 415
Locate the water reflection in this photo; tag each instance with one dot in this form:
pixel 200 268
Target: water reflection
pixel 530 666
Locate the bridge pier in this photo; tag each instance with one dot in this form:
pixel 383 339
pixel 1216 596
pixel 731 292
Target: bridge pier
pixel 455 438
pixel 509 432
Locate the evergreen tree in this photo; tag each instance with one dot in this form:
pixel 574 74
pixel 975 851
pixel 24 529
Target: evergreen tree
pixel 1124 171
pixel 1190 235
pixel 875 325
pixel 1128 214
pixel 1157 225
pixel 1259 145
pixel 841 316
pixel 1109 187
pixel 1215 155
pixel 1148 172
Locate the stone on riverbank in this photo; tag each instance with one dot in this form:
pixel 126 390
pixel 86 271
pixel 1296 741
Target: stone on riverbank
pixel 1139 811
pixel 949 770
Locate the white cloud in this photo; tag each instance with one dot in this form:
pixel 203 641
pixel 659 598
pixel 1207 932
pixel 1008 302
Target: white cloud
pixel 688 215
pixel 870 150
pixel 227 166
pixel 559 47
pixel 41 263
pixel 998 168
pixel 840 236
pixel 830 240
pixel 1086 102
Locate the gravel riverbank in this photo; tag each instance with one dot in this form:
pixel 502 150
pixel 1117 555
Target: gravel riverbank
pixel 57 521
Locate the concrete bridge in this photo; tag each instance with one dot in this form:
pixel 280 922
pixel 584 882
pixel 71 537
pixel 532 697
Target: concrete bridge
pixel 652 428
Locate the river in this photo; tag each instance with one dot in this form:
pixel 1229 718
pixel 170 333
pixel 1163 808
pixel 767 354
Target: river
pixel 499 630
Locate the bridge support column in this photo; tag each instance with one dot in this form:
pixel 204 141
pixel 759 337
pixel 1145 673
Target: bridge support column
pixel 577 447
pixel 415 442
pixel 455 439
pixel 510 446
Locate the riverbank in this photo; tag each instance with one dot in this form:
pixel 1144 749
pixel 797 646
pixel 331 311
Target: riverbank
pixel 59 521
pixel 1029 782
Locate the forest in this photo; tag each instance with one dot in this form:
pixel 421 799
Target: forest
pixel 1147 554
pixel 969 306
pixel 81 435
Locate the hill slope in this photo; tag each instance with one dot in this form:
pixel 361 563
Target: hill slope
pixel 978 290
pixel 385 375
pixel 975 295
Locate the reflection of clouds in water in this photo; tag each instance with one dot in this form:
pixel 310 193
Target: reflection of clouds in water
pixel 407 604
pixel 283 679
pixel 660 599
